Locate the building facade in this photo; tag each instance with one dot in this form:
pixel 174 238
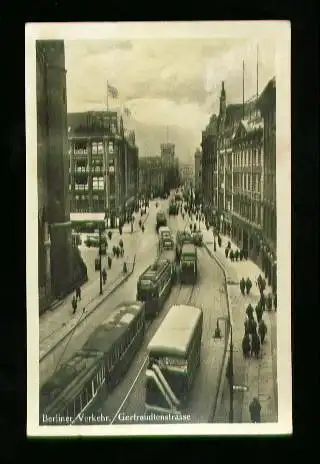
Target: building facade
pixel 103 165
pixel 186 172
pixel 151 176
pixel 267 106
pixel 131 174
pixel 198 172
pixel 209 163
pixel 247 212
pixel 60 266
pixel 167 153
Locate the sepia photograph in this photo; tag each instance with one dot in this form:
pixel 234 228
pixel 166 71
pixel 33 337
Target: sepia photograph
pixel 158 228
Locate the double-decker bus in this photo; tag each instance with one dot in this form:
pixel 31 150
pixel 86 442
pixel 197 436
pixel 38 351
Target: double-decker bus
pixel 79 385
pixel 182 237
pixel 154 285
pixel 161 220
pixel 188 263
pixel 174 357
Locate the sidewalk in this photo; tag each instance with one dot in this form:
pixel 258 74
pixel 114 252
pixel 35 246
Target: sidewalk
pixel 56 323
pixel 260 375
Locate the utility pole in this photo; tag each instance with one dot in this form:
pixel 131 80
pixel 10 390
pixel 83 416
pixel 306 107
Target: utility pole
pixel 100 264
pixel 231 375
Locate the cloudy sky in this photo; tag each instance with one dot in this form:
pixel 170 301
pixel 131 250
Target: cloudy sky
pixel 172 83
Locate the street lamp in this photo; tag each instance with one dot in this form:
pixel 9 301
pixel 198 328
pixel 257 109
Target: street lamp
pixel 217 335
pixel 100 264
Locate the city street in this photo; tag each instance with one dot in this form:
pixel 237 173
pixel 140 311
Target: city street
pixel 208 293
pixel 144 247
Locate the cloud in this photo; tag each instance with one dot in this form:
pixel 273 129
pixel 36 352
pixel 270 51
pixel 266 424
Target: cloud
pixel 165 82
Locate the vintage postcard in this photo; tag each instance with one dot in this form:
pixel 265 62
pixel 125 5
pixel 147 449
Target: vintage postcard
pixel 158 228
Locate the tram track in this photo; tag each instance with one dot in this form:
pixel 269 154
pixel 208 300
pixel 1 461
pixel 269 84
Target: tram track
pixel 185 295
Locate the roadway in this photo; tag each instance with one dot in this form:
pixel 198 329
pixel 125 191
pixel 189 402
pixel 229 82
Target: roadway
pixel 127 399
pixel 145 244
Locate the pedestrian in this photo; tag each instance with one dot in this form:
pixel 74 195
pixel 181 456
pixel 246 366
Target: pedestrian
pixel 104 276
pixel 249 311
pixel 262 330
pixel 242 285
pixel 259 312
pixel 219 241
pixel 246 347
pixel 125 269
pixel 241 255
pixel 269 302
pixel 109 262
pixel 74 304
pixel 255 410
pixel 255 344
pixel 248 285
pixel 78 293
pixel 263 301
pixel 226 252
pixel 231 255
pixel 236 255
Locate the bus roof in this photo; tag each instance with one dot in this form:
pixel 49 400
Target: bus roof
pixel 175 333
pixel 160 213
pixel 72 374
pixel 104 336
pixel 164 229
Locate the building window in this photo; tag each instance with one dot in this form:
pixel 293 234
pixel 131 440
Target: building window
pixel 110 147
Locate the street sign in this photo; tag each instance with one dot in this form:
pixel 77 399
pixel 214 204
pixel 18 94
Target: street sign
pixel 242 388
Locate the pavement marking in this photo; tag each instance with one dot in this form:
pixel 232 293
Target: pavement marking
pixel 130 390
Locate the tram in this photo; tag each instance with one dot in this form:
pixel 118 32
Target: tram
pixel 181 238
pixel 154 285
pixel 165 238
pixel 173 360
pixel 188 263
pixel 83 381
pixel 161 220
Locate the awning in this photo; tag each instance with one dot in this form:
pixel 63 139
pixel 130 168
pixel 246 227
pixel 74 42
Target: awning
pixel 87 217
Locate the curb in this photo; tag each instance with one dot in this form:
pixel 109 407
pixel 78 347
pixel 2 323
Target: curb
pixel 81 320
pixel 228 342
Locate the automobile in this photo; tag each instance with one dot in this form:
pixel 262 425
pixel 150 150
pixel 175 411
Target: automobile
pixel 197 238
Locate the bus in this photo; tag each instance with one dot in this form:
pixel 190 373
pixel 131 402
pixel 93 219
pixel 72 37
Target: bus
pixel 154 285
pixel 173 360
pixel 188 263
pixel 161 220
pixel 181 238
pixel 165 238
pixel 77 388
pixel 173 208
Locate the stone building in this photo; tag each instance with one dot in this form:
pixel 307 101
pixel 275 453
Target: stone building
pixel 103 165
pixel 198 172
pixel 151 176
pixel 209 160
pixel 267 106
pixel 60 265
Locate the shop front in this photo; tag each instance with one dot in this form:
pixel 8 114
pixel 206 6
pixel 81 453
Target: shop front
pixel 226 223
pixel 246 237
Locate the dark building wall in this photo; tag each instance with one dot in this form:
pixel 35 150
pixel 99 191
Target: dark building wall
pixel 53 169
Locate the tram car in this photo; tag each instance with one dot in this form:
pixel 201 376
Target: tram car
pixel 165 238
pixel 154 285
pixel 188 264
pixel 174 357
pixel 161 220
pixel 173 208
pixel 181 238
pixel 79 386
pixel 170 255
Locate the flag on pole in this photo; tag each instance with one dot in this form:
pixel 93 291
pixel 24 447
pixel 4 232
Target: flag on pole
pixel 112 91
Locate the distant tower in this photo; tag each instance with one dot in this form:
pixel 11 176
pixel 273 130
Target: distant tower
pixel 223 108
pixel 167 153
